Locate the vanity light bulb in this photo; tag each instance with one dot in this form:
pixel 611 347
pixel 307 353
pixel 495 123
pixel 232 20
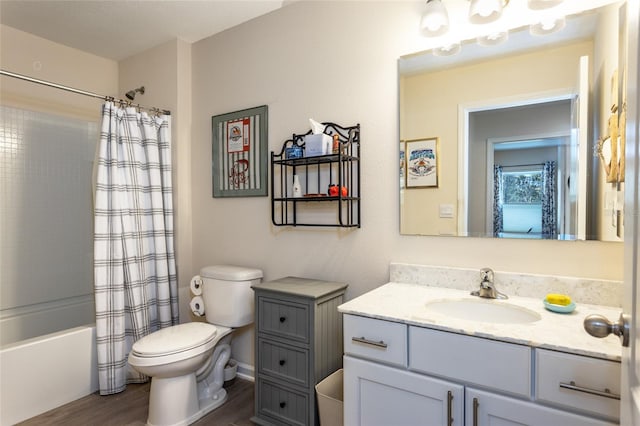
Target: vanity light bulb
pixel 448 50
pixel 435 20
pixel 485 11
pixel 548 26
pixel 493 38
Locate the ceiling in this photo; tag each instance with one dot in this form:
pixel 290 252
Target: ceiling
pixel 117 29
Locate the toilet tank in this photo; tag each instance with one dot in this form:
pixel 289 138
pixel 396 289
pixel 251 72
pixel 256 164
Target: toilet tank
pixel 227 294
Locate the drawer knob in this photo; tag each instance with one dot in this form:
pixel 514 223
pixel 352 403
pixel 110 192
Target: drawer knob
pixel 283 404
pixel 282 362
pixel 283 319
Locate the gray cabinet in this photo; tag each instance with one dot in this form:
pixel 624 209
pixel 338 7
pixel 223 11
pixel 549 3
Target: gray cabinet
pixel 298 343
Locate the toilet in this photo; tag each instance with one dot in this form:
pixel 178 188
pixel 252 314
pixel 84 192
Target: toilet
pixel 186 362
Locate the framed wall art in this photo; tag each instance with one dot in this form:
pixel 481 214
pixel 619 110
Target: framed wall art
pixel 421 156
pixel 239 160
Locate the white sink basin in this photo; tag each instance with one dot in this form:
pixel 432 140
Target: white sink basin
pixel 493 311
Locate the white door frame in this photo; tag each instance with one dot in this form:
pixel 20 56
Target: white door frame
pixel 464 110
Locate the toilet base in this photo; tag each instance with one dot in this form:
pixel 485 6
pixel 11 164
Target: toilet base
pixel 185 408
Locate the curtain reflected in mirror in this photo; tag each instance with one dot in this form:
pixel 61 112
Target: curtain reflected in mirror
pixel 525 203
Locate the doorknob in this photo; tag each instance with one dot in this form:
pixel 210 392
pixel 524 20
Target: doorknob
pixel 599 326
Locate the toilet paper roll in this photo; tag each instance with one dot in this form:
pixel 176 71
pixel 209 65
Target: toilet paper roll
pixel 197 306
pixel 196 285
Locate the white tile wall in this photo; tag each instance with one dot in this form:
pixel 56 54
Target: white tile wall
pixel 46 222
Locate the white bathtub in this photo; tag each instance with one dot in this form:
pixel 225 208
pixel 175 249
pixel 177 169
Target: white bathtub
pixel 39 374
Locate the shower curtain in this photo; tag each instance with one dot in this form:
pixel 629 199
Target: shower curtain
pixel 549 203
pixel 498 218
pixel 134 262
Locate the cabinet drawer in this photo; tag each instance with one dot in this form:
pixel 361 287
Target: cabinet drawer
pixel 374 339
pixel 282 361
pixel 503 366
pixel 282 404
pixel 284 319
pixel 591 378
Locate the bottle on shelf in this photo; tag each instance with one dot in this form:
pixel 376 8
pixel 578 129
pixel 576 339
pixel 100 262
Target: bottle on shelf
pixel 297 189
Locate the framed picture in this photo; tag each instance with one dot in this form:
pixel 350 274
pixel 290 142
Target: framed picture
pixel 422 162
pixel 239 161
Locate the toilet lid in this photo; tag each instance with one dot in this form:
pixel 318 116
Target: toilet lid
pixel 175 339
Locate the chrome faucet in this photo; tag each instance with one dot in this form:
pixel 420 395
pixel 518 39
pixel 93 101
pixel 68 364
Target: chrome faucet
pixel 487 287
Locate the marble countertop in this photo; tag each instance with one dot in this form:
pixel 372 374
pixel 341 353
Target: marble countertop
pixel 405 303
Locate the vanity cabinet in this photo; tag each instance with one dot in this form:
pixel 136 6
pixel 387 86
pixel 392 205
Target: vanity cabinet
pixel 431 377
pixel 380 395
pixel 315 206
pixel 298 343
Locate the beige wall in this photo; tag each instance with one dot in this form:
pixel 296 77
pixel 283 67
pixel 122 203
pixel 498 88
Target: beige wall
pixel 39 58
pixel 336 61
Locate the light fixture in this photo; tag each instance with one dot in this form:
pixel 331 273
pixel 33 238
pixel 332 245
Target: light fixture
pixel 547 26
pixel 542 4
pixel 448 50
pixel 435 20
pixel 493 39
pixel 485 11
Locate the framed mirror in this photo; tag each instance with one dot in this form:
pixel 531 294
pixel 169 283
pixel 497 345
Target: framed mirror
pixel 517 128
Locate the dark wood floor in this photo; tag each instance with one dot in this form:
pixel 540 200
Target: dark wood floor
pixel 131 406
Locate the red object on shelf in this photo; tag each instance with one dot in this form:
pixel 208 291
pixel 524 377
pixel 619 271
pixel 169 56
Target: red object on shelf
pixel 333 191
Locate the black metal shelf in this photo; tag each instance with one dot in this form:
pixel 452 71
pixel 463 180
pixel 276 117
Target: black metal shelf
pixel 341 168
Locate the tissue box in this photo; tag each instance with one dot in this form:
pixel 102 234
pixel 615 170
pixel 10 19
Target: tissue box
pixel 317 145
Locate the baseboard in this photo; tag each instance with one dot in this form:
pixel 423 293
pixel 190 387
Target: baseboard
pixel 246 371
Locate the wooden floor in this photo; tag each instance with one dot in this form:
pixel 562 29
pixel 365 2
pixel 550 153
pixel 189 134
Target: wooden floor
pixel 130 408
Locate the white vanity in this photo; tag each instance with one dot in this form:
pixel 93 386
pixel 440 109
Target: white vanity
pixel 406 364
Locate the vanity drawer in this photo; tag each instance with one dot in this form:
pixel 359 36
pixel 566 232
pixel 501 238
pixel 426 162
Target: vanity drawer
pixel 281 404
pixel 284 319
pixel 283 361
pixel 374 339
pixel 590 376
pixel 503 366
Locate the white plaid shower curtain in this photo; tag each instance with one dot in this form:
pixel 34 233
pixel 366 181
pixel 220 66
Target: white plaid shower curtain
pixel 134 261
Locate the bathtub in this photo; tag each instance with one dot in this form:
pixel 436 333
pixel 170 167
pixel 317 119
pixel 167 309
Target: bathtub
pixel 39 374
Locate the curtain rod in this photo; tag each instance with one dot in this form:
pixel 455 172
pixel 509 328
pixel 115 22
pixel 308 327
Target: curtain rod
pixel 78 91
pixel 523 165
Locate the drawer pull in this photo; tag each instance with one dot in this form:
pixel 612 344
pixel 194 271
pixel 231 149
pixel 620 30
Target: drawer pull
pixel 476 404
pixel 606 393
pixel 282 362
pixel 283 404
pixel 283 319
pixel 449 408
pixel 380 344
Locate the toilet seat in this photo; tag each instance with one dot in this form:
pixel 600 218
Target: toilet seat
pixel 173 343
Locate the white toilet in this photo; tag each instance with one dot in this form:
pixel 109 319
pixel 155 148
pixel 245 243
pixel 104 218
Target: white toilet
pixel 186 362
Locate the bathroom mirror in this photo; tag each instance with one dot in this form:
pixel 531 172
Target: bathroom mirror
pixel 517 126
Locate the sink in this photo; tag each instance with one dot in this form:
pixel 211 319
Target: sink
pixel 481 310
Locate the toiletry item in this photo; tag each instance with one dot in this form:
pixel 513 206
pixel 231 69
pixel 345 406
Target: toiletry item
pixel 336 144
pixel 315 145
pixel 293 152
pixel 297 189
pixel 558 299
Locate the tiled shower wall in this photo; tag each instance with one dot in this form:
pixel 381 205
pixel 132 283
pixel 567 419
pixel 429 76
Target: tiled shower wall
pixel 46 223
